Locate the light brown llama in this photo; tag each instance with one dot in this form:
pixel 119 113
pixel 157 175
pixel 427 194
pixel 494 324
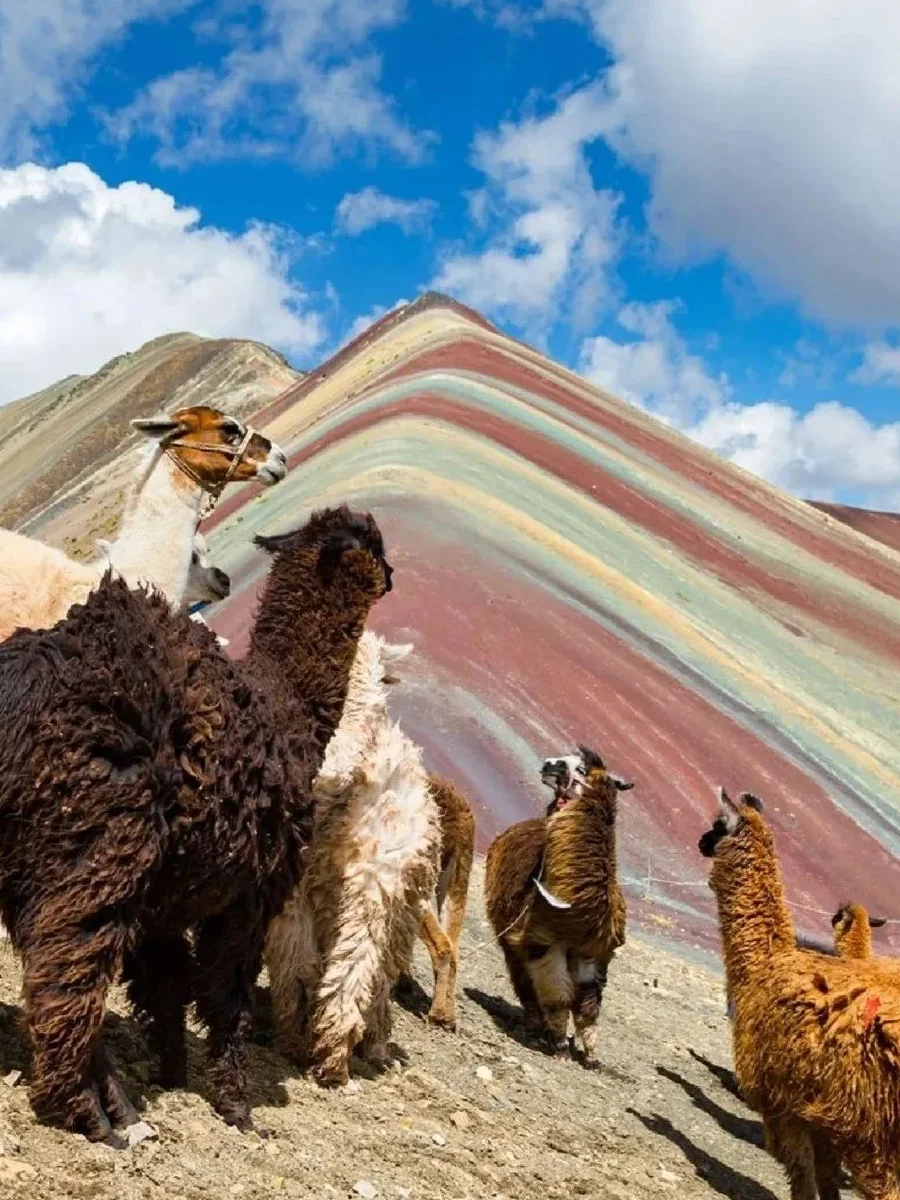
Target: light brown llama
pixel 554 901
pixel 816 1038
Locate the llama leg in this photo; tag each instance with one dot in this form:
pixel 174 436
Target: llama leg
pixel 828 1167
pixel 228 955
pixel 158 972
pixel 352 975
pixel 549 973
pixel 789 1141
pixel 589 980
pixel 874 1180
pixel 118 1107
pixel 440 950
pixel 524 989
pixel 291 957
pixel 67 976
pixel 374 1045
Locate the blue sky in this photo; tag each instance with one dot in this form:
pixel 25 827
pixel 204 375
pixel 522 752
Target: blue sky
pixel 694 204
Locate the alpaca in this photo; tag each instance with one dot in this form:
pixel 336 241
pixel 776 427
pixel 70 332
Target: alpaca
pixel 338 947
pixel 554 901
pixel 194 453
pixel 853 931
pixel 151 788
pixel 816 1041
pixel 457 825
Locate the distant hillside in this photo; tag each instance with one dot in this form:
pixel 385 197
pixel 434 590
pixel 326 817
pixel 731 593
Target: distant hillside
pixel 567 567
pixel 65 452
pixel 884 527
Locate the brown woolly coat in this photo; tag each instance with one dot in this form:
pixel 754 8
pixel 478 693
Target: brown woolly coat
pixel 150 786
pixel 574 855
pixel 815 1037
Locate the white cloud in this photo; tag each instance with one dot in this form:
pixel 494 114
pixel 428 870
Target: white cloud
pixel 769 131
pixel 832 451
pixel 552 235
pixel 880 365
pixel 362 323
pixel 88 271
pixel 359 211
pixel 300 79
pixel 45 51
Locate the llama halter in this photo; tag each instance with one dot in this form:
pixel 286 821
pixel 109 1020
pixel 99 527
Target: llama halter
pixel 213 491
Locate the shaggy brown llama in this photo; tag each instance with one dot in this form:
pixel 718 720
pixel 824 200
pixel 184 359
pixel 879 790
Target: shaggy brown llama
pixel 442 924
pixel 816 1038
pixel 554 901
pixel 853 931
pixel 150 787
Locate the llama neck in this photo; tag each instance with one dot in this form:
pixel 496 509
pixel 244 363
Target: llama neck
pixel 364 711
pixel 753 917
pixel 157 532
pixel 581 850
pixel 306 635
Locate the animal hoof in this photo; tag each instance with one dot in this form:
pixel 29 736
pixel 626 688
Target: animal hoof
pixel 442 1021
pixel 115 1141
pixel 331 1077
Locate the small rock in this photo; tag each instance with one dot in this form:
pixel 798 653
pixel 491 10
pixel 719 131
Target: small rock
pixel 353 1086
pixel 12 1171
pixel 668 1176
pixel 403 1193
pixel 507 1058
pixel 366 1189
pixel 12 1078
pixel 485 1074
pixel 140 1132
pixel 461 1120
pixel 439 1139
pixel 276 1183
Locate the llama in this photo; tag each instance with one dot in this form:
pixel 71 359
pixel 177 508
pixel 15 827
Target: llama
pixel 554 901
pixel 151 788
pixel 816 1042
pixel 338 947
pixel 194 453
pixel 206 583
pixel 853 931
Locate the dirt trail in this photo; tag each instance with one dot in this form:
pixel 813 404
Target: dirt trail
pixel 477 1114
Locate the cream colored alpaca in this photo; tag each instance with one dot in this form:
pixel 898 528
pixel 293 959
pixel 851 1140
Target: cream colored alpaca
pixel 158 536
pixel 339 945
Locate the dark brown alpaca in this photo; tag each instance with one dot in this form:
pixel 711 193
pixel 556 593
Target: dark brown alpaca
pixel 150 787
pixel 558 935
pixel 441 937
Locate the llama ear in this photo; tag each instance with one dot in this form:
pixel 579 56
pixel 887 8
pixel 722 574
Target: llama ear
pixel 158 427
pixel 622 785
pixel 838 916
pixel 590 758
pixel 877 922
pixel 751 801
pixel 729 812
pixel 394 652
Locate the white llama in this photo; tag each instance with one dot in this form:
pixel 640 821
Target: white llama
pixel 337 949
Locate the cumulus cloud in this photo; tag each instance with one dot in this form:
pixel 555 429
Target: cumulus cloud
pixel 359 211
pixel 549 235
pixel 768 129
pixel 830 452
pixel 88 271
pixel 46 47
pixel 292 77
pixel 880 365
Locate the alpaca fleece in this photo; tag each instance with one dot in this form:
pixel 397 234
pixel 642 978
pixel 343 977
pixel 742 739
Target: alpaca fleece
pixel 337 949
pixel 151 787
pixel 816 1038
pixel 558 958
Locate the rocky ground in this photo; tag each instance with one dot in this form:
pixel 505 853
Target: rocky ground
pixel 482 1113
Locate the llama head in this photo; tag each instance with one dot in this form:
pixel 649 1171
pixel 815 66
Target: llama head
pixel 344 549
pixel 392 653
pixel 213 449
pixel 205 583
pixel 568 774
pixel 848 914
pixel 728 820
